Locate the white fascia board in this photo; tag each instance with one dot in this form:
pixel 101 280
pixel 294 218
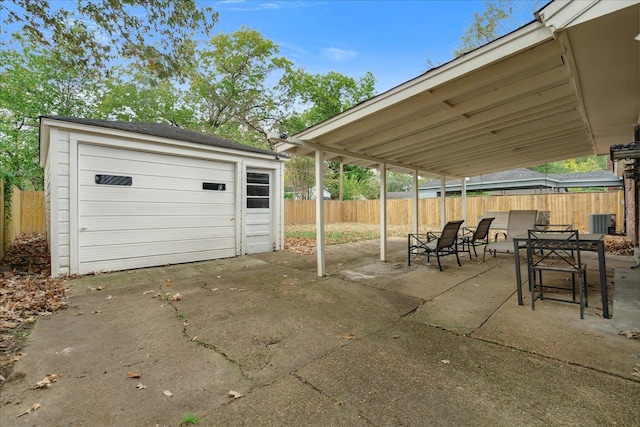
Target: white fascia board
pixel 524 38
pixel 44 142
pixel 117 133
pixel 562 14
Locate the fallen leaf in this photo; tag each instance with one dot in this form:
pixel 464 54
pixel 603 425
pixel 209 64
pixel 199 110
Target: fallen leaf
pixel 234 394
pixel 46 382
pixel 445 361
pixel 350 337
pixel 147 292
pixel 99 288
pixel 632 335
pixel 141 386
pixel 30 410
pixel 167 393
pixel 169 282
pixel 176 297
pixel 133 374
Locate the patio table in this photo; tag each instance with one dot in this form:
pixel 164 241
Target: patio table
pixel 593 242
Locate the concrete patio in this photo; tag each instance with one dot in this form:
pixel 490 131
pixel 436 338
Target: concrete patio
pixel 372 343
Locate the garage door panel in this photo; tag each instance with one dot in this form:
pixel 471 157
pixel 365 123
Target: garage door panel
pixel 131 222
pixel 156 170
pixel 163 217
pixel 117 193
pixel 122 237
pixel 154 182
pixel 107 152
pixel 110 252
pixel 151 209
pixel 139 262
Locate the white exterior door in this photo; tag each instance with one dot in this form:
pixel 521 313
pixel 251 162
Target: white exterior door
pixel 259 204
pixel 139 209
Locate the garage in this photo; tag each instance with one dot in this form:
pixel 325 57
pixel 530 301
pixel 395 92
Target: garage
pixel 124 195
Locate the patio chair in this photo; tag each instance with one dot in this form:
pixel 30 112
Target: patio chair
pixel 445 243
pixel 520 222
pixel 556 251
pixel 476 237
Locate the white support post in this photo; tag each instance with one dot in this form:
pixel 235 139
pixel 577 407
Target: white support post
pixel 320 243
pixel 443 201
pixel 341 194
pixel 383 212
pixel 463 201
pixel 416 198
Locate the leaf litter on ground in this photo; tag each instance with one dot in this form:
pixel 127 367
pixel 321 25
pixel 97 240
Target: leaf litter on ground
pixel 26 292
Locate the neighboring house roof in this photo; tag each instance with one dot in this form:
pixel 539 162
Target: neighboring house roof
pixel 164 131
pixel 527 178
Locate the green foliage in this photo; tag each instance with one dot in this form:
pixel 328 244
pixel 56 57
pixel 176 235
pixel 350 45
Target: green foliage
pixel 300 177
pixel 324 96
pixel 327 95
pixel 158 33
pixel 354 187
pixel 399 182
pixel 580 164
pixel 35 82
pixel 132 94
pixel 190 419
pixel 231 88
pixel 498 18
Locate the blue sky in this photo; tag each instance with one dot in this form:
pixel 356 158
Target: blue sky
pixel 392 39
pixel 395 40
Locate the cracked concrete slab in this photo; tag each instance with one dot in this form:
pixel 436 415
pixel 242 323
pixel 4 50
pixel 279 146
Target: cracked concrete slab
pixel 408 346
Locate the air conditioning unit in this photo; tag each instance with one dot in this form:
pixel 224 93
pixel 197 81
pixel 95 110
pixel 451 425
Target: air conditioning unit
pixel 602 223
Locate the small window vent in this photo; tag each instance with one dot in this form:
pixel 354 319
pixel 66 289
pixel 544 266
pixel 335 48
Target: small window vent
pixel 214 186
pixel 114 180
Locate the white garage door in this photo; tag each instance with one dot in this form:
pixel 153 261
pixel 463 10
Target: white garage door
pixel 138 209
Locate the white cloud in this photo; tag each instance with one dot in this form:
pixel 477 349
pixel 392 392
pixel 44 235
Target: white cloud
pixel 336 54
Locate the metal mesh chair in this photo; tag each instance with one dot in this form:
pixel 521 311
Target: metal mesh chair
pixel 445 243
pixel 476 237
pixel 556 251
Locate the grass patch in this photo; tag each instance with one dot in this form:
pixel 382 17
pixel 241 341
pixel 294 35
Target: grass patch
pixel 189 419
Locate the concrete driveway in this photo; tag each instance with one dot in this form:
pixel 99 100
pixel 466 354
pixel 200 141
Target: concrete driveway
pixel 262 340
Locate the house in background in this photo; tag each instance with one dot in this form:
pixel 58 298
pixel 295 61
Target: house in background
pixel 122 195
pixel 525 181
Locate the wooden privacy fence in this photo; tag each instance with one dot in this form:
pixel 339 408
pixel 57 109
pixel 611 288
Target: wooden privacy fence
pixel 564 208
pixel 27 215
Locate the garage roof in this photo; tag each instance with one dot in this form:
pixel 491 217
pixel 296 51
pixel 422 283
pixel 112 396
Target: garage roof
pixel 566 85
pixel 164 131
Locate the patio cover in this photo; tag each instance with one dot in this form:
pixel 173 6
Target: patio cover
pixel 563 86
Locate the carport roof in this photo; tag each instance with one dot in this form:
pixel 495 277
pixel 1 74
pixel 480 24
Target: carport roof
pixel 565 85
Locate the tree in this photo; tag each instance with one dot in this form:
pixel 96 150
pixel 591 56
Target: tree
pixel 36 82
pixel 236 86
pixel 580 164
pixel 498 18
pixel 159 33
pixel 326 95
pixel 134 94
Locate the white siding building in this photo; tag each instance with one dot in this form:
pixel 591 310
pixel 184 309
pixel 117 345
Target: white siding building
pixel 123 195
